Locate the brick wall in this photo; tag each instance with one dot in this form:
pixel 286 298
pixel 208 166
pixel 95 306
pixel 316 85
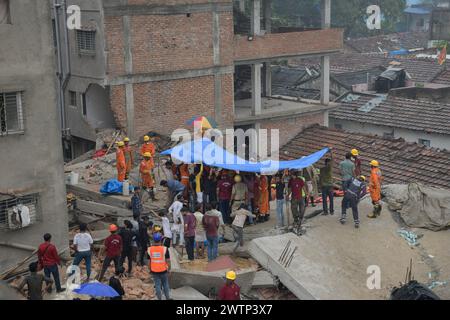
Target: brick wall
pixel 117 97
pixel 114 46
pixel 290 127
pixel 164 106
pixel 170 43
pixel 287 44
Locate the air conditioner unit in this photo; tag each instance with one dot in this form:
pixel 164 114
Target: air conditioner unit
pixel 21 216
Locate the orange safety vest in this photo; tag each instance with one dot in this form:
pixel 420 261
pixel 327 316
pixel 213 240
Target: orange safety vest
pixel 158 258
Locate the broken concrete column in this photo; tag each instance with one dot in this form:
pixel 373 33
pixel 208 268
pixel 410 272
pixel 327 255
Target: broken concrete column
pixel 325 80
pixel 256 89
pixel 256 17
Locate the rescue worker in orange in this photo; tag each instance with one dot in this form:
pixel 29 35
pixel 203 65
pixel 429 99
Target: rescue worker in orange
pixel 184 179
pixel 128 152
pixel 376 180
pixel 264 198
pixel 145 170
pixel 148 146
pixel 160 266
pixel 120 162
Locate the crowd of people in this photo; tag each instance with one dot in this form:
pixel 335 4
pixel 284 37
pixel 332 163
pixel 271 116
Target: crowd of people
pixel 201 201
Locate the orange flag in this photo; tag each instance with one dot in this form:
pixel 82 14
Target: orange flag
pixel 443 55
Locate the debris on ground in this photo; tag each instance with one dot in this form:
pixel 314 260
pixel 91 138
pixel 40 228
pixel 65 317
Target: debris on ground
pixel 435 284
pixel 410 237
pixel 420 206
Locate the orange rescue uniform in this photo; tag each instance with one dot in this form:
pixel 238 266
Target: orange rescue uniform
pixel 128 152
pixel 149 147
pixel 145 170
pixel 375 184
pixel 264 196
pixel 121 165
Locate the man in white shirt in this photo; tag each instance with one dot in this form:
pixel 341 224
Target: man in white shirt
pixel 82 244
pixel 240 216
pixel 166 229
pixel 178 222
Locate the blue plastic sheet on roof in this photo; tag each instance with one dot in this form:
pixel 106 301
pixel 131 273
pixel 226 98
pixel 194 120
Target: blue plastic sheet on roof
pixel 400 52
pixel 207 152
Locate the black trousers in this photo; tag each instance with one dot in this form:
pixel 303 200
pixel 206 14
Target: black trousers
pixel 189 242
pixel 106 264
pixel 128 253
pixel 142 251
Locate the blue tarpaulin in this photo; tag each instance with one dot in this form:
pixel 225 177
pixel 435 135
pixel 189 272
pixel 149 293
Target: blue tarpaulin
pixel 207 152
pixel 113 186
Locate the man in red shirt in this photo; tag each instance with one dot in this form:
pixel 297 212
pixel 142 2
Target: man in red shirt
pixel 230 291
pixel 113 248
pixel 225 188
pixel 48 259
pixel 296 189
pixel 211 223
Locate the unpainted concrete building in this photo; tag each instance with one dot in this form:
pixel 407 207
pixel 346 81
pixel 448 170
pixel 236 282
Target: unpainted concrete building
pixel 155 64
pixel 32 190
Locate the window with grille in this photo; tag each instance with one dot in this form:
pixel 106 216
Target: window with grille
pixel 18 212
pixel 86 42
pixel 11 115
pixel 73 98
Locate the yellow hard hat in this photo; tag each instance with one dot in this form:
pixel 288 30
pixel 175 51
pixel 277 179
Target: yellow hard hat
pixel 363 178
pixel 157 228
pixel 355 152
pixel 374 163
pixel 126 139
pixel 231 275
pixel 237 178
pixel 120 144
pixel 146 138
pixel 147 155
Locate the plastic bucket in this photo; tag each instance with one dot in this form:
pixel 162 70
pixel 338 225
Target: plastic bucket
pixel 74 176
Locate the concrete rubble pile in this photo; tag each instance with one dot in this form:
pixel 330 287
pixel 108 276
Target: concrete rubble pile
pixel 420 206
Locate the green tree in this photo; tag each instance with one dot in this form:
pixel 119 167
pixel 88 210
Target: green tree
pixel 348 14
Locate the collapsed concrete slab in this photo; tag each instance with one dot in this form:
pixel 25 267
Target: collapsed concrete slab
pixel 263 279
pixel 187 293
pixel 209 282
pixel 310 275
pixel 206 282
pixel 102 209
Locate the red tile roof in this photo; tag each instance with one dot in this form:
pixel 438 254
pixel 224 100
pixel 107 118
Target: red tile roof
pixel 443 78
pixel 396 112
pixel 401 162
pixel 390 42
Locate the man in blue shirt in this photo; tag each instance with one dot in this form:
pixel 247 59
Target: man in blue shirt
pixel 136 204
pixel 175 187
pixel 355 191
